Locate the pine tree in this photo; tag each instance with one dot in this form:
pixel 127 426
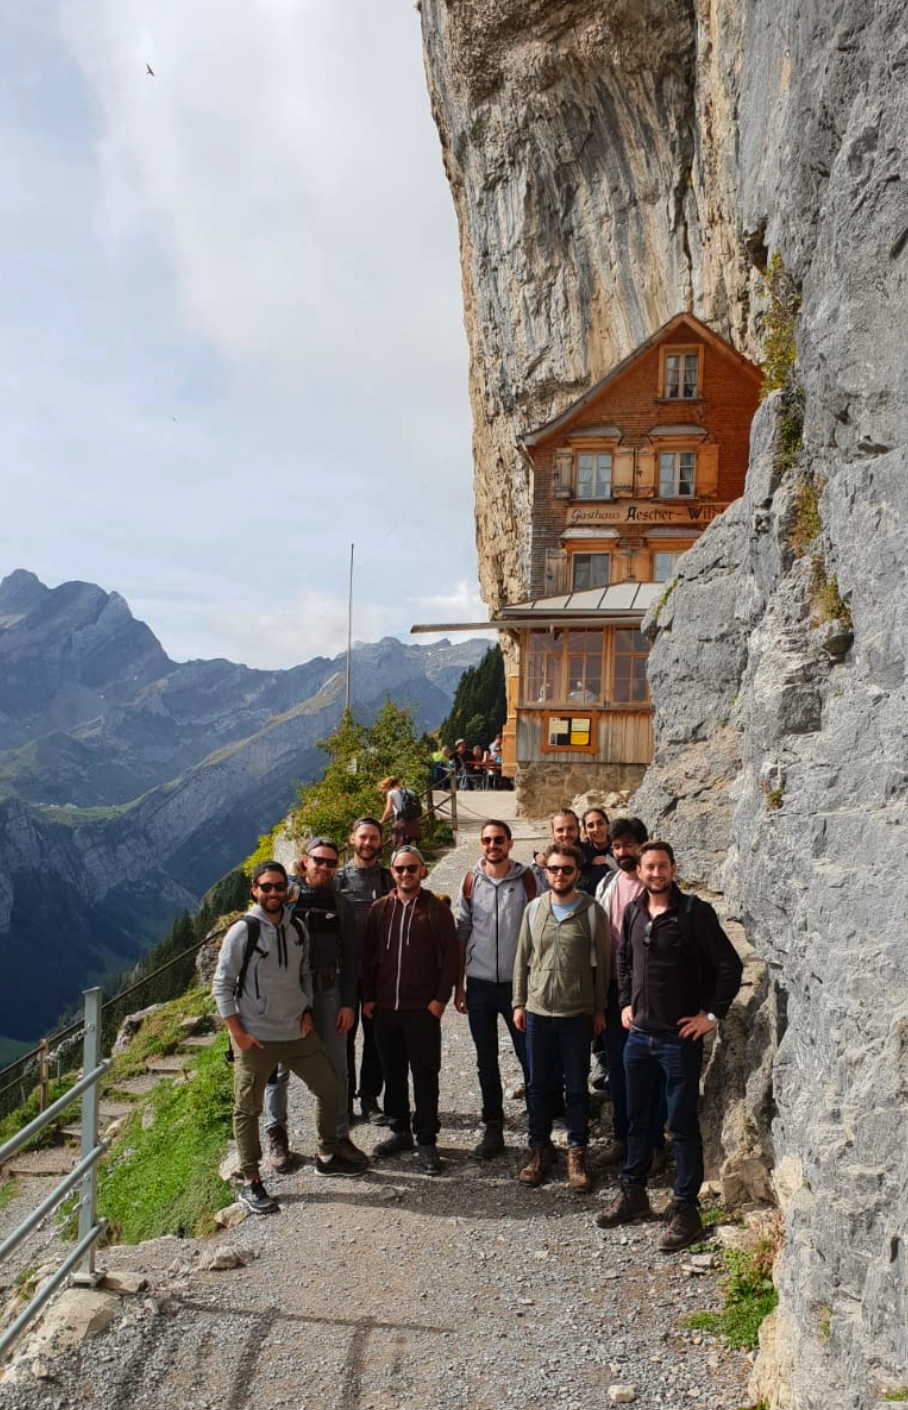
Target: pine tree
pixel 479 709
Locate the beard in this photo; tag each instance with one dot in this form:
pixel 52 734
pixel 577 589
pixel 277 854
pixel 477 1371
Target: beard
pixel 627 863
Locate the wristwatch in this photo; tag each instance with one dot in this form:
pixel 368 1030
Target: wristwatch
pixel 712 1018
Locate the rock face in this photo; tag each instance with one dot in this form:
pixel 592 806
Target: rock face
pixel 608 170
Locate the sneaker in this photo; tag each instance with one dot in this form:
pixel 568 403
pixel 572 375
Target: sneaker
pixel 280 1157
pixel 632 1202
pixel 578 1178
pixel 393 1144
pixel 684 1227
pixel 369 1107
pixel 428 1157
pixel 539 1161
pixel 351 1152
pixel 492 1142
pixel 338 1164
pixel 612 1154
pixel 255 1197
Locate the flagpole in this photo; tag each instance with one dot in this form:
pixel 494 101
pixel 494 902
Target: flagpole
pixel 349 631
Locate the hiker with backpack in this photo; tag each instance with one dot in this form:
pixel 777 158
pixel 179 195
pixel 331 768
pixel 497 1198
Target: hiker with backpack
pixel 362 880
pixel 678 973
pixel 410 967
pixel 493 897
pixel 561 974
pixel 403 807
pixel 263 991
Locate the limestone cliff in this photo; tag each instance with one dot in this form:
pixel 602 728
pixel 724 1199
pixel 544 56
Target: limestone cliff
pixel 611 163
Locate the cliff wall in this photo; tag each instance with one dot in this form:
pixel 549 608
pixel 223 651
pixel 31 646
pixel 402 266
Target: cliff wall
pixel 612 163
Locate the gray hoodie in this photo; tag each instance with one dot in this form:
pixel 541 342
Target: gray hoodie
pixel 488 922
pixel 277 988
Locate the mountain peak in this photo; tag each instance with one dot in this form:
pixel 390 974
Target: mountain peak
pixel 20 591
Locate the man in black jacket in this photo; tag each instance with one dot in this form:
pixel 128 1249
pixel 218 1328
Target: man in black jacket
pixel 678 973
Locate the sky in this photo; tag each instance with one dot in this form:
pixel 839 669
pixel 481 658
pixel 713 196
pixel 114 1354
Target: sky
pixel 232 333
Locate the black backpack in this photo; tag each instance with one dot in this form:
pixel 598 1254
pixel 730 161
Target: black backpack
pixel 253 931
pixel 410 807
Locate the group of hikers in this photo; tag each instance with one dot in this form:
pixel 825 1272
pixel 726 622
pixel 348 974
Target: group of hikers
pixel 603 971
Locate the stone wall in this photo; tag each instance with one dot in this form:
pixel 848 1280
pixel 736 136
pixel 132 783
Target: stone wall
pixel 546 785
pixel 611 163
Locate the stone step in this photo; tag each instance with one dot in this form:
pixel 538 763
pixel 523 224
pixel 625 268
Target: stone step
pixel 54 1161
pixel 168 1064
pixel 199 1040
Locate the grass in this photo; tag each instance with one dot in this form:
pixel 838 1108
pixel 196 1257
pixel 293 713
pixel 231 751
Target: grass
pixel 164 1180
pixel 824 1324
pixel 780 349
pixel 30 1108
pixel 162 1032
pixel 8 1191
pixel 826 600
pixel 900 1393
pixel 807 522
pixel 749 1296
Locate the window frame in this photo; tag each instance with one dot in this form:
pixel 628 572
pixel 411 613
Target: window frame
pixel 673 553
pixel 676 451
pixel 595 451
pixel 680 350
pixel 588 552
pixel 543 665
pixel 640 652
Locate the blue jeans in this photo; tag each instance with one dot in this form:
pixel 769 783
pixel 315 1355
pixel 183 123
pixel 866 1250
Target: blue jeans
pixel 558 1055
pixel 325 1004
pixel 615 1040
pixel 647 1059
pixel 486 1000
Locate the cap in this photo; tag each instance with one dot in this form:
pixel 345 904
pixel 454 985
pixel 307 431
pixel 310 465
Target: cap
pixel 322 842
pixel 399 851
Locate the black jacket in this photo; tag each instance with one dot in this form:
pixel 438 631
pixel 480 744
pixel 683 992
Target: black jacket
pixel 676 965
pixel 334 941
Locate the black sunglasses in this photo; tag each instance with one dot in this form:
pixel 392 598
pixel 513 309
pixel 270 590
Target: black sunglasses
pixel 324 861
pixel 410 868
pixel 566 869
pixel 271 885
pixel 493 841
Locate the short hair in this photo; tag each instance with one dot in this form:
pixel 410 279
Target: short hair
pixel 657 846
pixel 628 829
pixel 562 849
pixel 496 822
pixel 565 813
pixel 268 866
pixel 392 781
pixel 365 822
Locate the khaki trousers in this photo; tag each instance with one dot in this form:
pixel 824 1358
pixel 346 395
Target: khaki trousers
pixel 308 1060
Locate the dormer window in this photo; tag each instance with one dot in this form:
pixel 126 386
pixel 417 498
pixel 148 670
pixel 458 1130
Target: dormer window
pixel 594 474
pixel 681 374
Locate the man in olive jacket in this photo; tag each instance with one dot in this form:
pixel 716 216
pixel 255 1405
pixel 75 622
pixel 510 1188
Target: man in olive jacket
pixel 561 976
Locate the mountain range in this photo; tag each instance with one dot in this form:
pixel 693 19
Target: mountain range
pixel 129 782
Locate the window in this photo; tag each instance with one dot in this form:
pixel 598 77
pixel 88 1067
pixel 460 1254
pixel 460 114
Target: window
pixel 594 474
pixel 630 686
pixel 681 376
pixel 590 570
pixel 676 473
pixel 664 566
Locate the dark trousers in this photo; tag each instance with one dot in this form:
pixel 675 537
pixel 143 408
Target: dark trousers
pixel 410 1039
pixel 486 1001
pixel 647 1060
pixel 615 1037
pixel 558 1053
pixel 370 1074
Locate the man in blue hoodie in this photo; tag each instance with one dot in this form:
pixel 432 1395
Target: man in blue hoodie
pixel 263 991
pixel 490 906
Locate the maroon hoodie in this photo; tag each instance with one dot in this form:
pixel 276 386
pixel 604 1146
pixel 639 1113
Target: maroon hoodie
pixel 410 953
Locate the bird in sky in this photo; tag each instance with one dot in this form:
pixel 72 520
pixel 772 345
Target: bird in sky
pixel 149 70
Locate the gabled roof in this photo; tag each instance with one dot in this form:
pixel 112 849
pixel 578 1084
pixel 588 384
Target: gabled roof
pixel 667 330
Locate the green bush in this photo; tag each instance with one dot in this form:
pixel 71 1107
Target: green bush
pixel 749 1297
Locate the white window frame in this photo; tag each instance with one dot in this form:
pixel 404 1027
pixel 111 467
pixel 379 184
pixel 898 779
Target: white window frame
pixel 590 554
pixel 595 456
pixel 682 481
pixel 679 387
pixel 673 555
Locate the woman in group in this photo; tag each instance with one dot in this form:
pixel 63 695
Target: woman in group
pixel 598 861
pixel 403 829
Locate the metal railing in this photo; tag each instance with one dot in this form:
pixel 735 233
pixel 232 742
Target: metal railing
pixel 82 1257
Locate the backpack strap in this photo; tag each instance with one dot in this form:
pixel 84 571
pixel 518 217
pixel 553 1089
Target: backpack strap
pixel 529 884
pixel 253 931
pixel 468 886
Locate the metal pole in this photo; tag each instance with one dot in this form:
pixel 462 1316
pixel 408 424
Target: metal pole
pixel 349 631
pixel 42 1075
pixel 91 1057
pixel 452 789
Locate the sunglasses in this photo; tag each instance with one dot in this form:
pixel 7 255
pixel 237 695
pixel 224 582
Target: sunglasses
pixel 409 870
pixel 271 886
pixel 568 870
pixel 324 861
pixel 493 841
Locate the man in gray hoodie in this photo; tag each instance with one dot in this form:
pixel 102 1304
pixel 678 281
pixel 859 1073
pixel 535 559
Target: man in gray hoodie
pixel 490 906
pixel 263 991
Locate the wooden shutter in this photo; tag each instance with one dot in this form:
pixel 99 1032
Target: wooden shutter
pixel 555 571
pixel 623 474
pixel 706 481
pixel 646 472
pixel 562 484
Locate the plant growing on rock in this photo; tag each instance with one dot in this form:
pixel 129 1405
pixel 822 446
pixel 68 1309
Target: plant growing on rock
pixel 749 1294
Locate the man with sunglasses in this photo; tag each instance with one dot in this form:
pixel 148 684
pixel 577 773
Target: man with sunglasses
pixel 490 906
pixel 561 975
pixel 410 967
pixel 265 998
pixel 678 973
pixel 334 956
pixel 362 881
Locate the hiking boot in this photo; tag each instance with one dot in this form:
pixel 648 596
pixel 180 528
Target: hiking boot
pixel 428 1157
pixel 280 1157
pixel 684 1227
pixel 395 1143
pixel 492 1142
pixel 659 1160
pixel 632 1202
pixel 338 1164
pixel 612 1154
pixel 255 1197
pixel 369 1107
pixel 578 1178
pixel 539 1161
pixel 351 1152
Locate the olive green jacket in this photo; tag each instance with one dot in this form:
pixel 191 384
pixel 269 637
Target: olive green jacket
pixel 562 967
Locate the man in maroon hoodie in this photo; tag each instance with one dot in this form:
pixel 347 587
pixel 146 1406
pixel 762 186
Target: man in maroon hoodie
pixel 410 959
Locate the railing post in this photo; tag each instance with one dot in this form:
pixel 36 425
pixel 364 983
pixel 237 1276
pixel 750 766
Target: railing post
pixel 452 789
pixel 42 1075
pixel 85 1273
